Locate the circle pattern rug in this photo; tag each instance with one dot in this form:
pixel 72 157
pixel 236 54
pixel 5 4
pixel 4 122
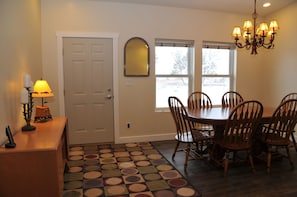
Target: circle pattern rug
pixel 75 169
pixel 76 152
pixel 106 155
pixel 123 170
pixel 177 183
pixel 92 175
pixel 92 168
pixel 93 192
pixel 113 181
pixel 129 171
pixel 76 148
pixel 91 162
pixel 91 183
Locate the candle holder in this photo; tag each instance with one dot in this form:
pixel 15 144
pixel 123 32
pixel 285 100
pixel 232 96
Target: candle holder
pixel 27 107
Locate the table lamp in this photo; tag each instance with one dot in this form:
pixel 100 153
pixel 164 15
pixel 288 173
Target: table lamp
pixel 42 90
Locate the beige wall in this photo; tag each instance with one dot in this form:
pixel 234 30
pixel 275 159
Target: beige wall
pixel 136 95
pixel 280 66
pixel 20 51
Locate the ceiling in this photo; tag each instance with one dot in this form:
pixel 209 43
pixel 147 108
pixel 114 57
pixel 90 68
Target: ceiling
pixel 232 6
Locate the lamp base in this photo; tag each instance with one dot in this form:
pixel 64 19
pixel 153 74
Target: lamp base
pixel 28 128
pixel 42 114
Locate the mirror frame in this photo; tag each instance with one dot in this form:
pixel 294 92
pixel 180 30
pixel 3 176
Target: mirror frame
pixel 145 62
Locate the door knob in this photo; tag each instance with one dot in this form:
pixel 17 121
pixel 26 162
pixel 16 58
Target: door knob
pixel 108 97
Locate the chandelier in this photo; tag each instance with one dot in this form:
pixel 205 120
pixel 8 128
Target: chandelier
pixel 255 37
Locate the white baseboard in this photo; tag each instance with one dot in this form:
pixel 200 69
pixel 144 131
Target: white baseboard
pixel 145 138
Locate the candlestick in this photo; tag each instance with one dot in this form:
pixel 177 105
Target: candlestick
pixel 27 108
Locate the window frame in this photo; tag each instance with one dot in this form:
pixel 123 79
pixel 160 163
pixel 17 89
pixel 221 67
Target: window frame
pixel 190 66
pixel 232 63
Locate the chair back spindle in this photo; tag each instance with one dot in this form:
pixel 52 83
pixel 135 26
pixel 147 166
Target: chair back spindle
pixel 199 100
pixel 284 120
pixel 242 122
pixel 231 99
pixel 289 96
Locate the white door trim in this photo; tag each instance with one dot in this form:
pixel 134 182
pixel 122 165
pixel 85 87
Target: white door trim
pixel 115 37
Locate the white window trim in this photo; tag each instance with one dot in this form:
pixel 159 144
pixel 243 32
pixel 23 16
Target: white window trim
pixel 191 56
pixel 232 64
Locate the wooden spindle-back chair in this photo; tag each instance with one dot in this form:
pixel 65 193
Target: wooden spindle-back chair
pixel 240 127
pixel 231 99
pixel 185 132
pixel 279 130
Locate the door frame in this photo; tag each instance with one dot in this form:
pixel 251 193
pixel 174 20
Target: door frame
pixel 115 38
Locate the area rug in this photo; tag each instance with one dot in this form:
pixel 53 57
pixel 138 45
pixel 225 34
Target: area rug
pixel 123 170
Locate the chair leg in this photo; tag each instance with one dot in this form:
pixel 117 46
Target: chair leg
pixel 251 161
pixel 268 159
pixel 289 157
pixel 226 162
pixel 198 146
pixel 201 146
pixel 294 141
pixel 188 149
pixel 175 149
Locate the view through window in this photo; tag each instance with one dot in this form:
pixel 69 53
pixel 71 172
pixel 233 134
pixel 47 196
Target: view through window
pixel 173 70
pixel 218 70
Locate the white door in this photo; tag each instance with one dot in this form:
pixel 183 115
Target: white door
pixel 87 64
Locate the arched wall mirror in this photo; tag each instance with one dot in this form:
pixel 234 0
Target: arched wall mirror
pixel 136 57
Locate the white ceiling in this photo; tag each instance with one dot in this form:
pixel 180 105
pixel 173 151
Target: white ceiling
pixel 232 6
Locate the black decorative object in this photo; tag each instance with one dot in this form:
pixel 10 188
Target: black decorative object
pixel 11 143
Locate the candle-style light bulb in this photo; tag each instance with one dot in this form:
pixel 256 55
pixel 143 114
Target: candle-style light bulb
pixel 27 81
pixel 24 96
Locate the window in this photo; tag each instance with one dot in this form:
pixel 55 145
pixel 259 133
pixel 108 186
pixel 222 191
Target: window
pixel 218 70
pixel 173 70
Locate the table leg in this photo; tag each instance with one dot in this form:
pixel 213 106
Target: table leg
pixel 217 153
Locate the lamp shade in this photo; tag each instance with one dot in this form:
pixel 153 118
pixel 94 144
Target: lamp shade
pixel 273 26
pixel 247 26
pixel 236 32
pixel 42 89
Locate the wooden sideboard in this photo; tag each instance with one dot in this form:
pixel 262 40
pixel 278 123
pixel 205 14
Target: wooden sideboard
pixel 35 167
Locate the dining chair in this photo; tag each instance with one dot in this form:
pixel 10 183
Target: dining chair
pixel 278 131
pixel 185 132
pixel 237 135
pixel 292 95
pixel 196 101
pixel 199 100
pixel 231 99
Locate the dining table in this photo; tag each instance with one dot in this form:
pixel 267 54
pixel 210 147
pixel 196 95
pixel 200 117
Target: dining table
pixel 218 116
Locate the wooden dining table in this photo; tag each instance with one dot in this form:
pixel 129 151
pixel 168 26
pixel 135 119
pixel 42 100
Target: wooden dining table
pixel 218 116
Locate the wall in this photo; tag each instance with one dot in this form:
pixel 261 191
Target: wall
pixel 274 73
pixel 136 95
pixel 20 51
pixel 280 66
